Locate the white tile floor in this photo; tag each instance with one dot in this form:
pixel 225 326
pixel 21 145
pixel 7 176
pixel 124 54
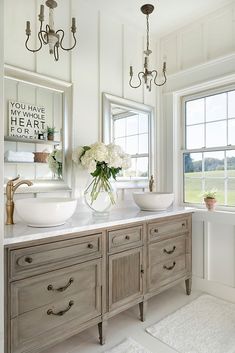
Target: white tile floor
pixel 127 324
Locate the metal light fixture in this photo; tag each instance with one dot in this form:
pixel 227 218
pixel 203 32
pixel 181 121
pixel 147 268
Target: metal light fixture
pixel 148 76
pixel 49 36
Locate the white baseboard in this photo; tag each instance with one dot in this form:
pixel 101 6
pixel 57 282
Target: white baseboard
pixel 214 288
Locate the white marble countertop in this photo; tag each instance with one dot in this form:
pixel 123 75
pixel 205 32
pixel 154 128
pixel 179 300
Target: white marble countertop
pixel 85 221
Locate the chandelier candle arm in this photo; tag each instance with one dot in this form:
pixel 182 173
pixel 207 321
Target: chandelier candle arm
pixel 28 29
pixel 148 76
pixel 28 34
pixel 50 36
pixel 131 76
pixel 41 15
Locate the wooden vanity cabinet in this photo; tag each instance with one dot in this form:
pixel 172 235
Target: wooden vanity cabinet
pixel 169 254
pixel 55 289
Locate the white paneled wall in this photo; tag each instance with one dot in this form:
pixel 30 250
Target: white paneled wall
pixel 100 62
pixel 1 183
pixel 197 55
pixel 214 249
pixel 209 38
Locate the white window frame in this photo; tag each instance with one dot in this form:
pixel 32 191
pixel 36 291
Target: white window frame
pixel 216 86
pixel 205 149
pixel 107 137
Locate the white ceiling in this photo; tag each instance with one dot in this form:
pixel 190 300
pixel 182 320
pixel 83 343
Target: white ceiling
pixel 167 16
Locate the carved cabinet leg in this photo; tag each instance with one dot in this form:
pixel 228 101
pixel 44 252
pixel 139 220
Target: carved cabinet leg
pixel 143 310
pixel 102 328
pixel 188 285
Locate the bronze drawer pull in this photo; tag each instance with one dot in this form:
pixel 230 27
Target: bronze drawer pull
pixel 62 312
pixel 61 289
pixel 183 225
pixel 90 246
pixel 155 230
pixel 170 251
pixel 127 237
pixel 170 267
pixel 28 259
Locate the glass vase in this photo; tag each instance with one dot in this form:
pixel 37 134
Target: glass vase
pixel 100 195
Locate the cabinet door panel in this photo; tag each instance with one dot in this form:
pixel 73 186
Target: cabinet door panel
pixel 125 277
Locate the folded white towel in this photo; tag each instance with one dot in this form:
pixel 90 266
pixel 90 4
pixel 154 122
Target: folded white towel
pixel 12 156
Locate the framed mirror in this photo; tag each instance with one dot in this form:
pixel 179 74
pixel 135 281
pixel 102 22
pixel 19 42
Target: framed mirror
pixel 130 125
pixel 37 130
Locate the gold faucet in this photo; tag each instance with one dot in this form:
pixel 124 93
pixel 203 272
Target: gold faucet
pixel 151 182
pixel 10 190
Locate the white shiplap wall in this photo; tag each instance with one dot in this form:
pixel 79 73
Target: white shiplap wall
pixel 1 182
pixel 100 62
pixel 197 55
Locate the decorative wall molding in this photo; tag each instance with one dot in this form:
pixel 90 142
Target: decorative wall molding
pixel 208 38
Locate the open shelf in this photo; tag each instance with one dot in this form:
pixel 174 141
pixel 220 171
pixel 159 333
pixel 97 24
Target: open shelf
pixel 37 141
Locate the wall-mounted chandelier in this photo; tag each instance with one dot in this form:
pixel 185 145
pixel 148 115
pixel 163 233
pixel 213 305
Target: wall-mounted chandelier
pixel 147 76
pixel 48 35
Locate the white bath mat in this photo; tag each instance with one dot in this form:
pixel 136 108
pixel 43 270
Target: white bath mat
pixel 206 325
pixel 128 346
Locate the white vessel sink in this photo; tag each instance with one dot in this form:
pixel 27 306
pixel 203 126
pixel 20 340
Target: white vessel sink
pixel 153 201
pixel 45 212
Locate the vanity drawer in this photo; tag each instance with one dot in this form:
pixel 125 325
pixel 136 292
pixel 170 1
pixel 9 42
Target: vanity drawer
pixel 125 238
pixel 34 292
pixel 167 249
pixel 41 258
pixel 166 272
pixel 59 314
pixel 172 227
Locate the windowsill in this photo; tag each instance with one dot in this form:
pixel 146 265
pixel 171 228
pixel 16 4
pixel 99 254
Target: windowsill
pixel 202 208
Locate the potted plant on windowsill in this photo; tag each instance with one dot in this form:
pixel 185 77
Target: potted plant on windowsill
pixel 50 133
pixel 210 199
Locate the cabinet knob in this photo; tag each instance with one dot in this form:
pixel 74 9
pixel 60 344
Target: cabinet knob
pixel 90 246
pixel 127 237
pixel 183 225
pixel 155 230
pixel 28 259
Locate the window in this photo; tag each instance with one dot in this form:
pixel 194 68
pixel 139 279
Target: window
pixel 131 132
pixel 209 146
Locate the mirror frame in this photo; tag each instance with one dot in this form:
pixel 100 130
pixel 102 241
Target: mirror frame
pixel 108 100
pixel 32 78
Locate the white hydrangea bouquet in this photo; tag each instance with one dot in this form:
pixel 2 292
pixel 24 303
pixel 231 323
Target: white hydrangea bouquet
pixel 103 163
pixel 55 162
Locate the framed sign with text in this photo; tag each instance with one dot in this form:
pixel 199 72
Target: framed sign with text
pixel 26 120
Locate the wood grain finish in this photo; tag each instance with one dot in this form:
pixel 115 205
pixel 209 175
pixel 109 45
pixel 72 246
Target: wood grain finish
pixel 167 249
pixel 161 230
pixel 86 304
pixel 125 277
pixel 58 288
pixel 125 238
pixel 32 293
pixel 166 271
pixel 38 259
